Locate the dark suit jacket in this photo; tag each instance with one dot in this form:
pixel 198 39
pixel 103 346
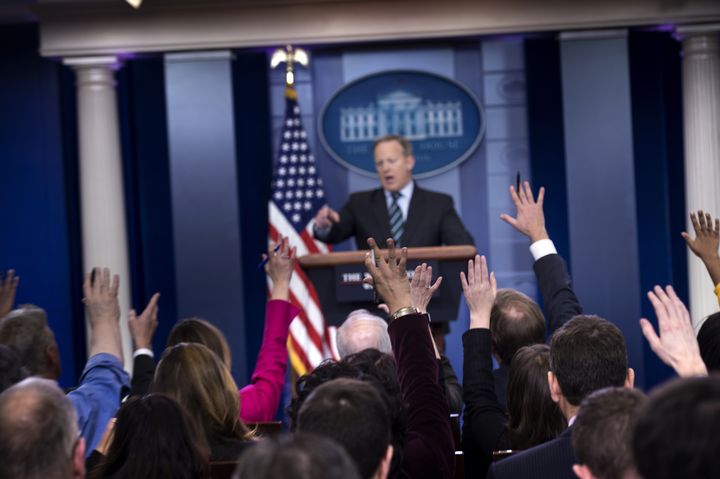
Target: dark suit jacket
pixel 552 459
pixel 559 299
pixel 431 221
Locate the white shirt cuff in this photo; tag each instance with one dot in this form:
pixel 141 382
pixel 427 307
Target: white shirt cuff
pixel 542 248
pixel 143 351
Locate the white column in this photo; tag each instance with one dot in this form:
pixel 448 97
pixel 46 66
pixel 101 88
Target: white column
pixel 701 104
pixel 104 232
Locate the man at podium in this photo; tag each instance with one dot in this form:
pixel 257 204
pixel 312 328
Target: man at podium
pixel 399 209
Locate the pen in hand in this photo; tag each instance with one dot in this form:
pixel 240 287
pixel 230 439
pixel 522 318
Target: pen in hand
pixel 266 259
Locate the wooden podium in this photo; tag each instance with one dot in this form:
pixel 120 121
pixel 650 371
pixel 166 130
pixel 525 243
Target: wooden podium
pixel 337 278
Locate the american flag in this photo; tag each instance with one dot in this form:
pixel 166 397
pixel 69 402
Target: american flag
pixel 297 194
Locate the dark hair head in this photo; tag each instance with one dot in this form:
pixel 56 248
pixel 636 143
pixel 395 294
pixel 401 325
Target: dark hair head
pixel 154 438
pixel 296 456
pixel 198 330
pixel 709 342
pixel 534 417
pixel 38 431
pixel 196 378
pixel 352 413
pixel 602 432
pixel 378 369
pixel 404 143
pixel 586 354
pixel 676 433
pixel 11 370
pixel 25 331
pixel 515 321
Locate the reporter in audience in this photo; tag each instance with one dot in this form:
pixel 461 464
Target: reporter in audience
pixel 533 416
pixel 103 381
pixel 353 414
pixel 586 354
pixel 676 433
pixel 11 371
pixel 154 438
pixel 259 399
pixel 39 435
pixel 197 379
pixel 602 434
pixel 296 456
pixel 428 450
pixel 705 246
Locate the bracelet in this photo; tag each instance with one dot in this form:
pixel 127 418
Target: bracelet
pixel 403 311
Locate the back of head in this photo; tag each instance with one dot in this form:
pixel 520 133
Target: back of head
pixel 296 456
pixel 38 431
pixel 196 378
pixel 198 330
pixel 352 413
pixel 154 438
pixel 25 331
pixel 709 342
pixel 602 432
pixel 676 433
pixel 587 354
pixel 534 417
pixel 11 371
pixel 362 330
pixel 515 321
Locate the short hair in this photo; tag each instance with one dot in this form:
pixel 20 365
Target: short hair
pixel 196 378
pixel 11 371
pixel 534 417
pixel 602 431
pixel 38 431
pixel 362 330
pixel 201 331
pixel 25 331
pixel 154 437
pixel 296 456
pixel 376 368
pixel 586 354
pixel 709 341
pixel 676 433
pixel 515 321
pixel 404 143
pixel 352 413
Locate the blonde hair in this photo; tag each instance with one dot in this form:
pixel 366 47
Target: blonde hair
pixel 196 377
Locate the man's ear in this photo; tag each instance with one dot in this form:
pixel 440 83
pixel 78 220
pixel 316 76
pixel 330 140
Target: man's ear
pixel 52 359
pixel 582 471
pixel 630 378
pixel 555 391
pixel 384 468
pixel 78 460
pixel 411 162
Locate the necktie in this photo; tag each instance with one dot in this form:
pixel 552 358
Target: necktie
pixel 397 222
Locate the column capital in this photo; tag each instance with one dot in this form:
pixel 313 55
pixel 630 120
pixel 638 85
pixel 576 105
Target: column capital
pixel 110 62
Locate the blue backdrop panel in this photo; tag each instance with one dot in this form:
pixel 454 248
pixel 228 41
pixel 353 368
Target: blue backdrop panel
pixel 203 178
pixel 601 184
pixel 37 218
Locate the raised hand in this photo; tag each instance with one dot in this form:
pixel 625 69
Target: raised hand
pixel 8 287
pixel 530 219
pixel 422 288
pixel 103 310
pixel 143 327
pixel 389 276
pixel 676 345
pixel 325 217
pixel 706 242
pixel 479 289
pixel 279 267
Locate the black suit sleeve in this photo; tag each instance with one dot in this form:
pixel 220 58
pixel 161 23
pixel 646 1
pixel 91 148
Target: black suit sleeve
pixel 452 229
pixel 143 373
pixel 344 228
pixel 484 418
pixel 451 385
pixel 560 301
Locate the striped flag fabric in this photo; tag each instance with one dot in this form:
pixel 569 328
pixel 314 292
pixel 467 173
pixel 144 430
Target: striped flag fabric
pixel 297 195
